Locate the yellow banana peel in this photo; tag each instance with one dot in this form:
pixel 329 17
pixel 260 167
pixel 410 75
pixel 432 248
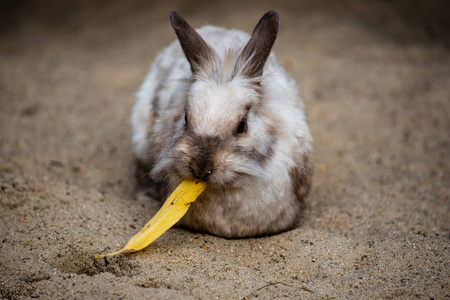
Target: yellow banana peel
pixel 171 212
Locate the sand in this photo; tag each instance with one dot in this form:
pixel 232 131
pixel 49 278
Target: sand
pixel 375 79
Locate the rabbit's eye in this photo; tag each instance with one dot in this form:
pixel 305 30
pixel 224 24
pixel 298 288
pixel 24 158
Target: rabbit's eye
pixel 242 127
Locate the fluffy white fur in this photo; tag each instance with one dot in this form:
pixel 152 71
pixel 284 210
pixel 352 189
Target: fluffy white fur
pixel 258 179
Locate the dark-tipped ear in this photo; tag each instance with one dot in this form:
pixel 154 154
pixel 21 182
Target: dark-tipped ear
pixel 258 48
pixel 197 52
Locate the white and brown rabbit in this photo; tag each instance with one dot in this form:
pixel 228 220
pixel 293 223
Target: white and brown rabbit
pixel 217 106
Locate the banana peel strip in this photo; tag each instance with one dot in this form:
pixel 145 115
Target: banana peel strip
pixel 170 213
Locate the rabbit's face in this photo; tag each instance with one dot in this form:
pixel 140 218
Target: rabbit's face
pixel 222 136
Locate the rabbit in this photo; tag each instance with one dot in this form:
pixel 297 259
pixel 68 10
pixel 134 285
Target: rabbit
pixel 216 106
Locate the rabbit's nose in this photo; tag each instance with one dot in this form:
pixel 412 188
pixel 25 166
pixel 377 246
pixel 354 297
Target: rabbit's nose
pixel 200 174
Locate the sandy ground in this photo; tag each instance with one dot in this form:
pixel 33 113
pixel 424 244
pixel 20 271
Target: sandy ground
pixel 375 79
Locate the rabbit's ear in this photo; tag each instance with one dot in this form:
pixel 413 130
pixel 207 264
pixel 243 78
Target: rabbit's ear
pixel 260 44
pixel 197 52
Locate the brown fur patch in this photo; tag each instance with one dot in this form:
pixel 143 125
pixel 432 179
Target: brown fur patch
pixel 197 52
pixel 301 176
pixel 258 48
pixel 204 150
pixel 263 152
